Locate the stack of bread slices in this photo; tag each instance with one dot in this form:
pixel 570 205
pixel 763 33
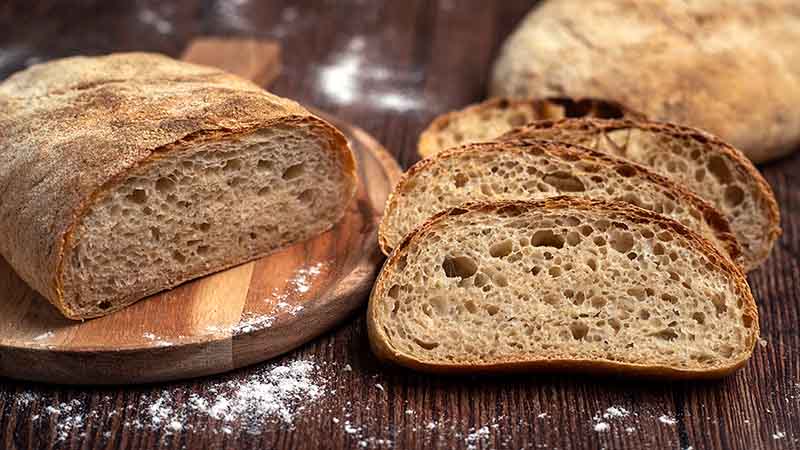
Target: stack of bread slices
pixel 561 234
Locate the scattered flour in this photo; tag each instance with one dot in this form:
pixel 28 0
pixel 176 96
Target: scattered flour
pixel 601 427
pixel 667 420
pixel 476 437
pixel 43 336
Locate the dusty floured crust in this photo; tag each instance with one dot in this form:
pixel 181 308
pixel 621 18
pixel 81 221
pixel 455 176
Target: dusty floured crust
pixel 710 142
pixel 712 216
pixel 384 351
pixel 73 128
pixel 551 108
pixel 731 67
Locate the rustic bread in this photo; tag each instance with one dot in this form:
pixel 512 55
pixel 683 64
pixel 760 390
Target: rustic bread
pixel 697 160
pixel 564 284
pixel 535 170
pixel 127 174
pixel 731 67
pixel 487 120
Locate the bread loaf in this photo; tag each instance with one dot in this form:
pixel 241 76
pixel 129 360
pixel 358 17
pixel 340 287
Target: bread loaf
pixel 692 158
pixel 128 174
pixel 561 284
pixel 731 67
pixel 535 170
pixel 486 121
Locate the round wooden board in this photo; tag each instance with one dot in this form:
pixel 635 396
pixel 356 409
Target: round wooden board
pixel 217 323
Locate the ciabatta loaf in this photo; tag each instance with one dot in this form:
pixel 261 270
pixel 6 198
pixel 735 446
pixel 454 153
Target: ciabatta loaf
pixel 534 170
pixel 486 121
pixel 561 284
pixel 128 174
pixel 697 160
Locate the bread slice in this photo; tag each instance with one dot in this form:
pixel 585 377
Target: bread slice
pixel 533 170
pixel 486 121
pixel 128 174
pixel 697 160
pixel 561 284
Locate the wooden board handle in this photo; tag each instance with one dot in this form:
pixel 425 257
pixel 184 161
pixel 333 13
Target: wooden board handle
pixel 258 60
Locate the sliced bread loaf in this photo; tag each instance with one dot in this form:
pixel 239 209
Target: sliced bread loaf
pixel 561 284
pixel 533 170
pixel 697 160
pixel 128 174
pixel 487 120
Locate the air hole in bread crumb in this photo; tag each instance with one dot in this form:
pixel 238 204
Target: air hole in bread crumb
pixel 426 345
pixel 546 238
pixel 586 230
pixel 637 293
pixel 105 304
pixel 460 180
pixel 264 190
pixel 293 171
pixel 499 279
pixel 203 250
pixel 555 271
pixel 626 170
pixel 492 309
pixel 669 298
pixel 699 317
pixel 621 241
pixel 459 266
pixel 307 196
pixel 667 334
pixel 231 165
pixel 501 249
pixel 155 234
pixel 644 314
pixel 178 256
pixel 747 320
pixel 719 304
pixel 720 170
pixel 579 330
pixel 598 301
pixel 470 305
pixel 592 264
pixel 536 270
pixel 164 185
pixel 394 291
pixel 263 164
pixel 734 196
pixel 573 238
pixel 564 182
pixel 137 196
pixel 599 241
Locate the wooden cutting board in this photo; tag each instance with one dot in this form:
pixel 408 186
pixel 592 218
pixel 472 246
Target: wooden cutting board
pixel 227 320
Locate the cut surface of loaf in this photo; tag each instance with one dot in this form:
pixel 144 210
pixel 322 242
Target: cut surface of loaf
pixel 486 121
pixel 534 170
pixel 561 284
pixel 132 173
pixel 697 160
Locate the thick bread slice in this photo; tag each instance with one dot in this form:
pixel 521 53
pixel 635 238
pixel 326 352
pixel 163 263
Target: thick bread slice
pixel 534 170
pixel 486 121
pixel 561 284
pixel 128 174
pixel 695 159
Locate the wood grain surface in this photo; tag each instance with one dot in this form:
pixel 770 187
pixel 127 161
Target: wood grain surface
pixel 390 67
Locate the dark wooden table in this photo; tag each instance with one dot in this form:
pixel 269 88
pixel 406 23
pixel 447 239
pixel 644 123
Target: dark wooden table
pixel 390 66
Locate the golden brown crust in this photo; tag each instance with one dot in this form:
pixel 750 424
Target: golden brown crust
pixel 712 216
pixel 743 165
pixel 384 351
pixel 72 128
pixel 540 108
